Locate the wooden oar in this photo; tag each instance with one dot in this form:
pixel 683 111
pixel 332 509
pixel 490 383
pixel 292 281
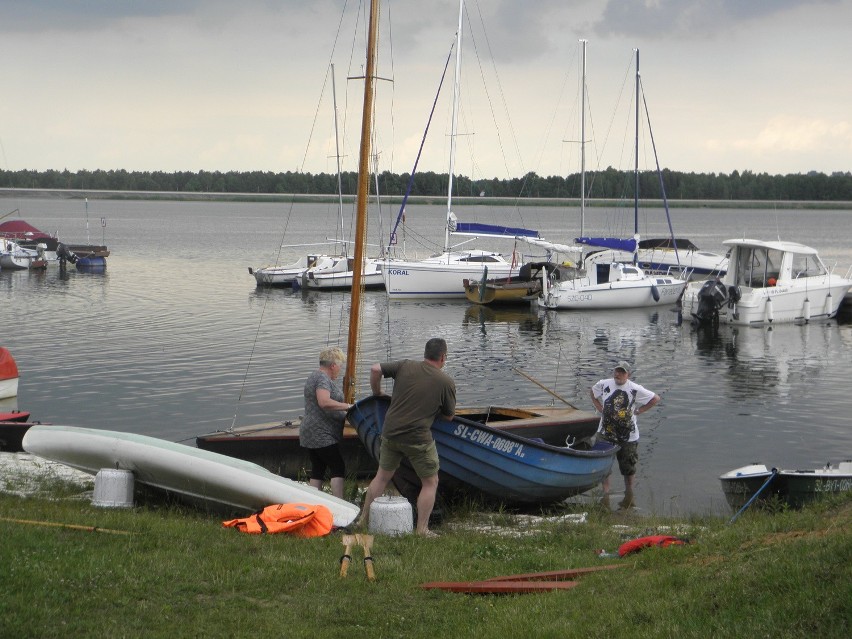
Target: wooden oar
pixel 538 383
pixel 71 526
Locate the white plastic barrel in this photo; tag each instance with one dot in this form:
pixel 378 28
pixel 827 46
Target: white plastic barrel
pixel 113 488
pixel 391 516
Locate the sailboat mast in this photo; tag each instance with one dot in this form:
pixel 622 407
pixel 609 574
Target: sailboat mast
pixel 454 128
pixel 583 141
pixel 337 155
pixel 361 206
pixel 636 170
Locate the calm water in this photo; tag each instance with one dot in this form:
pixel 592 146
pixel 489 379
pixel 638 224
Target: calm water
pixel 174 340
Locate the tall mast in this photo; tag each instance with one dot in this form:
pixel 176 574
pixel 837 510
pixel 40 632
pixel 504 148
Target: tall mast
pixel 636 170
pixel 583 142
pixel 454 128
pixel 337 155
pixel 361 206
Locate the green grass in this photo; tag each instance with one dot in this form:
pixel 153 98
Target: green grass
pixel 180 574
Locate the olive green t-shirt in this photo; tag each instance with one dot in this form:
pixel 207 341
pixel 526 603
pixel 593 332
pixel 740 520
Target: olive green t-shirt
pixel 421 392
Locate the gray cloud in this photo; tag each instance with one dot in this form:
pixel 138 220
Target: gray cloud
pixel 686 18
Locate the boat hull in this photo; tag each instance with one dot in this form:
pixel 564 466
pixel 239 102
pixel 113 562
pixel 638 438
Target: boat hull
pixel 12 431
pixel 197 475
pixel 579 295
pixel 492 463
pixel 795 488
pixel 768 282
pixel 438 279
pixel 275 446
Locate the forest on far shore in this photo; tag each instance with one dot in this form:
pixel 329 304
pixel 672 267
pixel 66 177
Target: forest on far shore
pixel 609 184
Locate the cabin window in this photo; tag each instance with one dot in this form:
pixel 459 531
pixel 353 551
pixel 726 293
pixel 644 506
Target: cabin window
pixel 757 265
pixel 806 266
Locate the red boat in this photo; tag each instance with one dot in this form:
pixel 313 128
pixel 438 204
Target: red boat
pixel 8 375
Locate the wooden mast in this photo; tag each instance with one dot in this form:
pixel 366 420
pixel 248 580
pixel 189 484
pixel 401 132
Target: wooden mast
pixel 361 207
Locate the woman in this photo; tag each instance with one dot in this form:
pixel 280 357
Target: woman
pixel 322 427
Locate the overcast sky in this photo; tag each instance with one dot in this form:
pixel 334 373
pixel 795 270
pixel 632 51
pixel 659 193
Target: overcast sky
pixel 172 85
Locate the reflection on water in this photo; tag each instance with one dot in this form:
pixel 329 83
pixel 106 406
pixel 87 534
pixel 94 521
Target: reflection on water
pixel 174 340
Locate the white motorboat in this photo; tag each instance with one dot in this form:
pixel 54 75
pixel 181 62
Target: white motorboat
pixel 768 282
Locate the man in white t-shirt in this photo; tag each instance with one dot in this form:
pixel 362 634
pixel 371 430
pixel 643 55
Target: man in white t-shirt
pixel 619 400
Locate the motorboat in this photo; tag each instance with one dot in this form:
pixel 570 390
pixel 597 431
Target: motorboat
pixel 509 290
pixel 767 283
pixel 795 488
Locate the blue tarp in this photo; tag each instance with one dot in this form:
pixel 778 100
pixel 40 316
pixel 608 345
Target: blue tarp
pixel 475 228
pixel 609 242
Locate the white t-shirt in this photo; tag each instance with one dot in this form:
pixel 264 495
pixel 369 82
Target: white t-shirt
pixel 618 421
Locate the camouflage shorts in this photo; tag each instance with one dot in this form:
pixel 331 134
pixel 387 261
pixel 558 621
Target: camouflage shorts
pixel 628 458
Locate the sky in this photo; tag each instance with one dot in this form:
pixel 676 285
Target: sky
pixel 189 85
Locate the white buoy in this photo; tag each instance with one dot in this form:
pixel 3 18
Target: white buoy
pixel 391 516
pixel 113 488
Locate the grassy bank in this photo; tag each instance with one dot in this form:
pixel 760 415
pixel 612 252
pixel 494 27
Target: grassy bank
pixel 162 570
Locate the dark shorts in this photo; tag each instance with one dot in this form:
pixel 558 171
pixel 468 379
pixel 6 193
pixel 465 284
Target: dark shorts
pixel 627 456
pixel 327 457
pixel 423 457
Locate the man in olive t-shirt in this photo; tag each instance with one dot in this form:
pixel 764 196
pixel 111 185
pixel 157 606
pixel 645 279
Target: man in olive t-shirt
pixel 421 392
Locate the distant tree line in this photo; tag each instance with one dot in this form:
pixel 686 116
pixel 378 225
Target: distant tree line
pixel 607 184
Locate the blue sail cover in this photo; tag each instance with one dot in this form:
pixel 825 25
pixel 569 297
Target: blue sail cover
pixel 609 242
pixel 491 230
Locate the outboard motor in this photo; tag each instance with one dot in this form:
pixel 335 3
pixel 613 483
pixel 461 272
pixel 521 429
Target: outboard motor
pixel 711 297
pixel 64 253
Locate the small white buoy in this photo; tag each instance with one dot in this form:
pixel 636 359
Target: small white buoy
pixel 391 516
pixel 113 489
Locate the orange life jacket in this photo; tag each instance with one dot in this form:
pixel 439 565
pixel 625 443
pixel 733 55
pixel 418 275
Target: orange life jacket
pixel 301 520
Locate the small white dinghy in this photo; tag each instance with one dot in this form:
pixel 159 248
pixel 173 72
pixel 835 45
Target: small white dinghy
pixel 185 470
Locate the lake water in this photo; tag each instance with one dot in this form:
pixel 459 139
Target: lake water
pixel 175 340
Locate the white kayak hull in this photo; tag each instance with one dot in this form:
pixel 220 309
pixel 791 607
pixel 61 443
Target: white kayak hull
pixel 191 472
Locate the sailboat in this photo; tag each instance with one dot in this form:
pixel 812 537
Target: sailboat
pixel 441 276
pixel 553 425
pixel 293 274
pixel 612 285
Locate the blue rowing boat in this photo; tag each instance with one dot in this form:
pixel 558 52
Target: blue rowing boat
pixel 491 462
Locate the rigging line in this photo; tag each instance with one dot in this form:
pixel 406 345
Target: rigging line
pixel 287 221
pixel 659 172
pixel 422 143
pixel 502 95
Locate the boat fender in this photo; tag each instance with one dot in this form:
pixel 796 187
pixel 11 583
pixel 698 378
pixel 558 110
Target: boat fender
pixel 647 542
pixel 655 292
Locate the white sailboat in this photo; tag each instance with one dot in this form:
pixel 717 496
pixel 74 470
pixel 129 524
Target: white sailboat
pixel 611 284
pixel 443 275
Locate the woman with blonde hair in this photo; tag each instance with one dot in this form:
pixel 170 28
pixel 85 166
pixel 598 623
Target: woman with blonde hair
pixel 321 430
